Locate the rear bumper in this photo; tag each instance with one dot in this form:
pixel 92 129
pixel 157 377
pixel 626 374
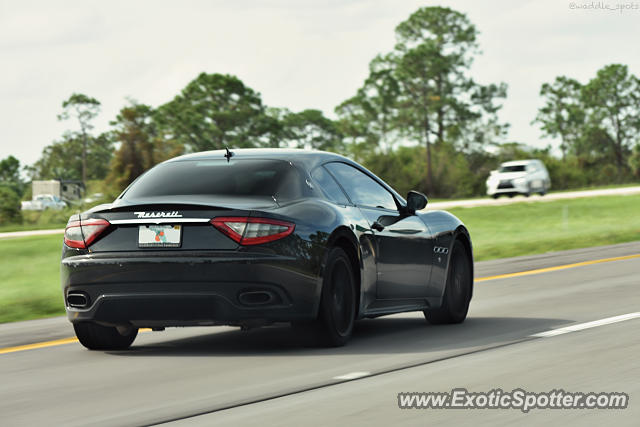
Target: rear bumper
pixel 189 288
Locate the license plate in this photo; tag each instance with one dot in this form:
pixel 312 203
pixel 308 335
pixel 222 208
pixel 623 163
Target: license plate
pixel 159 236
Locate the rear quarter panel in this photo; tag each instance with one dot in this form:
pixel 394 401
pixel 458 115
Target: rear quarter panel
pixel 445 228
pixel 319 224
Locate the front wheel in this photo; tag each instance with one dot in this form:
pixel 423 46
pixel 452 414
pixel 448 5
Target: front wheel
pixel 98 337
pixel 457 292
pixel 529 191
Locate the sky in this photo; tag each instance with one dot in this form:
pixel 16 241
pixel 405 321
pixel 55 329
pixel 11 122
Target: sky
pixel 297 53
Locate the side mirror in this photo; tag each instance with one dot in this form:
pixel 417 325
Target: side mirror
pixel 415 201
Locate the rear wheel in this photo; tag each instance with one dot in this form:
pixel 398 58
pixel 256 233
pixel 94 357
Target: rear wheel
pixel 457 293
pixel 98 337
pixel 337 314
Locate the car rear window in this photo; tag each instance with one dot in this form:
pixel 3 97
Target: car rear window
pixel 275 178
pixel 514 168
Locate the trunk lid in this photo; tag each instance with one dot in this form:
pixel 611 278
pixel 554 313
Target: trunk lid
pixel 172 223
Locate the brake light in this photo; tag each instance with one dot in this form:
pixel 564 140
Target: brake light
pixel 80 234
pixel 253 231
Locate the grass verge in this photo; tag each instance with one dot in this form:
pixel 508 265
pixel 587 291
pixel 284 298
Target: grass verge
pixel 31 227
pixel 41 220
pixel 30 266
pixel 533 228
pixel 30 277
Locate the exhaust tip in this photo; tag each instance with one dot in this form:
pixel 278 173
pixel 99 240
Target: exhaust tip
pixel 77 299
pixel 256 297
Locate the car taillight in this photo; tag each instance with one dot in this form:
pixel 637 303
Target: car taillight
pixel 80 234
pixel 253 231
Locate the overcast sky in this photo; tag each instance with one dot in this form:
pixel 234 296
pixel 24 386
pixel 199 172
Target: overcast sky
pixel 298 54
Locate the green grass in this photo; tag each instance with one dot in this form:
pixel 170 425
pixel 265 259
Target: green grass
pixel 30 266
pixel 41 220
pixel 30 227
pixel 532 228
pixel 30 278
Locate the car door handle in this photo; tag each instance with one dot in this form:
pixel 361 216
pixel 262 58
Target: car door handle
pixel 377 226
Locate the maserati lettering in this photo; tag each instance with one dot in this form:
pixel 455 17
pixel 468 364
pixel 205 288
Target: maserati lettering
pixel 173 214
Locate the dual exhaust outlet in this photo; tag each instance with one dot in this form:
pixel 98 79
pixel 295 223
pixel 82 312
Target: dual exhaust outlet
pixel 78 300
pixel 256 297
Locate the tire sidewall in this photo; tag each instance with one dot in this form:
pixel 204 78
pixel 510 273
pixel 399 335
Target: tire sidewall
pixel 98 337
pixel 326 315
pixel 459 258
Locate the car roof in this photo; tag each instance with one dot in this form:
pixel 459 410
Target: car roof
pixel 307 159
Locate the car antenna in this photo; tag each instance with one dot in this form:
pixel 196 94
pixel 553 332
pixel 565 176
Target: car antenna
pixel 229 154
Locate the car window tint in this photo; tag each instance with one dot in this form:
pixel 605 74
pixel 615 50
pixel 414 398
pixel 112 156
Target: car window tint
pixel 361 188
pixel 218 177
pixel 513 168
pixel 328 186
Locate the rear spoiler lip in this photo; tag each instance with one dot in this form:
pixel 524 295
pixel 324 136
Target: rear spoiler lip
pixel 196 202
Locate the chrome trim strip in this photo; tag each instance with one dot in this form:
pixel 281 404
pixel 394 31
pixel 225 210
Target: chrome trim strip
pixel 158 220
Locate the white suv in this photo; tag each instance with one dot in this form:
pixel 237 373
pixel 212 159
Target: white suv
pixel 519 177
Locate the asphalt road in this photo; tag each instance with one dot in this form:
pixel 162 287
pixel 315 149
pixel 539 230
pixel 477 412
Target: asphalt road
pixel 270 376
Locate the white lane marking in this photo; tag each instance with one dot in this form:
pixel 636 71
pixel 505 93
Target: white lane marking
pixel 352 375
pixel 588 325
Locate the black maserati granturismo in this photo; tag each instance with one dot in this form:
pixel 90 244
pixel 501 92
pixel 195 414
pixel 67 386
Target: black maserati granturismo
pixel 251 237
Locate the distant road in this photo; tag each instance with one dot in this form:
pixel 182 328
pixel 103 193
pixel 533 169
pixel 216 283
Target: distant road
pixel 470 203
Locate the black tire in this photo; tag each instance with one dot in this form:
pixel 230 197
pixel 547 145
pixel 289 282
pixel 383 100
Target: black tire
pixel 495 196
pixel 337 313
pixel 98 337
pixel 457 292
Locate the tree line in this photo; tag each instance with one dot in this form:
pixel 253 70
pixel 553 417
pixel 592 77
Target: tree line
pixel 419 120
